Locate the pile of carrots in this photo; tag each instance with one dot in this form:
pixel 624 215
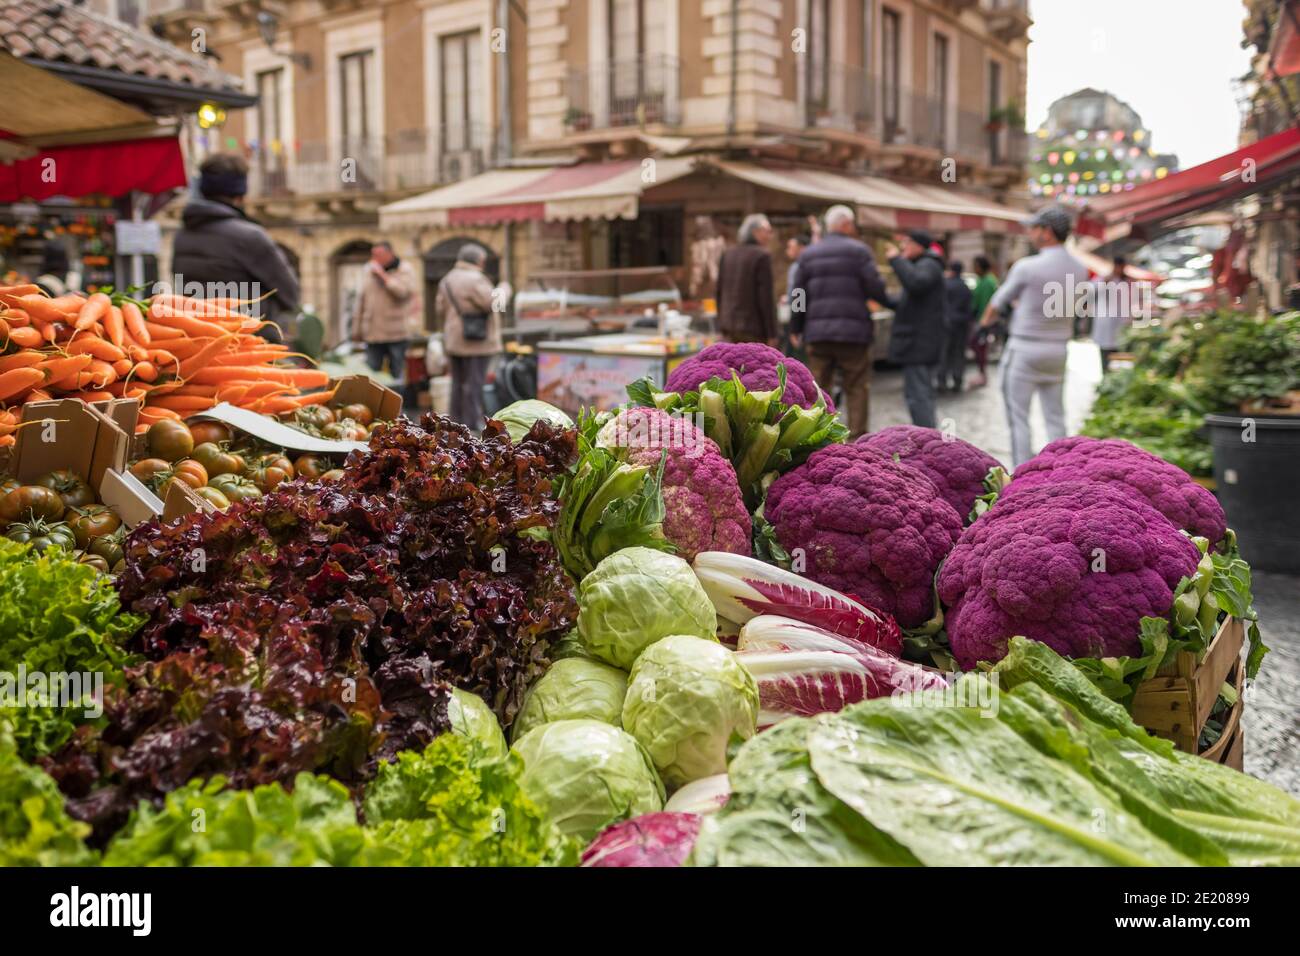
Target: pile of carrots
pixel 178 356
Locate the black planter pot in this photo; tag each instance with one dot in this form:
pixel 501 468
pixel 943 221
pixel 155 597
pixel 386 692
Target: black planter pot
pixel 1257 482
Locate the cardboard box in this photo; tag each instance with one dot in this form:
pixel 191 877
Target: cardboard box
pixel 275 432
pixel 383 402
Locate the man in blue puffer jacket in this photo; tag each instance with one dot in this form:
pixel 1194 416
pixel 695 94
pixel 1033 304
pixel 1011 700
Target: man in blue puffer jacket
pixel 917 334
pixel 828 307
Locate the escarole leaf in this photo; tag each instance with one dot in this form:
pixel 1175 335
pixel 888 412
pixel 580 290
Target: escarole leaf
pixel 923 774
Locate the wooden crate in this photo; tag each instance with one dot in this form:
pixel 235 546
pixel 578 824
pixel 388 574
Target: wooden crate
pixel 1176 703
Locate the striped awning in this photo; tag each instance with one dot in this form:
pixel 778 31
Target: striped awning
pixel 885 203
pixel 610 190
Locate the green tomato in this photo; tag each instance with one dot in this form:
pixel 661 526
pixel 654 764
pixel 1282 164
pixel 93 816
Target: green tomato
pixel 235 487
pixel 42 535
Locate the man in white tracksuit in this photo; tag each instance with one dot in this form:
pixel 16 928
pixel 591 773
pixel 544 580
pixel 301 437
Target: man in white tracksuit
pixel 1044 288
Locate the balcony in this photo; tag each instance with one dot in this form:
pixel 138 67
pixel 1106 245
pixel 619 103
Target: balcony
pixel 644 91
pixel 401 162
pixel 845 98
pixel 1009 19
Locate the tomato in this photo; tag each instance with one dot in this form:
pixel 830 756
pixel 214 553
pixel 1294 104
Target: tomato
pixel 93 521
pixel 94 560
pixel 235 487
pixel 214 495
pixel 214 433
pixel 311 466
pixel 169 440
pixel 276 460
pixel 345 430
pixel 31 501
pixel 190 472
pixel 361 414
pixel 217 461
pixel 334 474
pixel 148 470
pixel 42 535
pixel 110 547
pixel 314 416
pixel 267 477
pixel 70 486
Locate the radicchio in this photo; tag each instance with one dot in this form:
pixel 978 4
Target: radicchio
pixel 653 839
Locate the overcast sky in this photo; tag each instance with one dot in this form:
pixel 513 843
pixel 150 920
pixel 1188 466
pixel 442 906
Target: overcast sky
pixel 1171 60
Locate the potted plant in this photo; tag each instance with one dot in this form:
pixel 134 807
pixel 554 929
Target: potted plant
pixel 1005 116
pixel 577 119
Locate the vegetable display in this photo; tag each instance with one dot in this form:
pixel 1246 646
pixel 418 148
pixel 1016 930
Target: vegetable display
pixel 1076 565
pixel 868 526
pixel 686 699
pixel 637 596
pixel 585 775
pixel 1113 461
pixel 961 472
pixel 703 508
pixel 341 612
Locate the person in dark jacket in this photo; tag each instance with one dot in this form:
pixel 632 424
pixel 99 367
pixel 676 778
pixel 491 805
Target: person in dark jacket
pixel 958 319
pixel 220 252
pixel 746 296
pixel 835 278
pixel 916 338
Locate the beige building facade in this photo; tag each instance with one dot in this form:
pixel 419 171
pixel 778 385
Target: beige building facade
pixel 363 104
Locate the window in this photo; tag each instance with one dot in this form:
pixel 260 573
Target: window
pixel 819 59
pixel 463 118
pixel 891 30
pixel 941 73
pixel 355 84
pixel 270 155
pixel 637 63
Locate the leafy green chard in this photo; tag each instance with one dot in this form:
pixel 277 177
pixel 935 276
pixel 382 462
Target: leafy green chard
pixel 761 434
pixel 608 504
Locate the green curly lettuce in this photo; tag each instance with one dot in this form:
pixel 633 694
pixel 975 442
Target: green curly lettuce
pixel 35 830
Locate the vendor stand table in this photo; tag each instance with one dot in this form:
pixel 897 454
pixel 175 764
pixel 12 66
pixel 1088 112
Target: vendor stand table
pixel 594 370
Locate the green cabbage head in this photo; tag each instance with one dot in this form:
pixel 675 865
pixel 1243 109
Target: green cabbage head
pixel 519 416
pixel 573 689
pixel 636 596
pixel 472 718
pixel 585 775
pixel 685 699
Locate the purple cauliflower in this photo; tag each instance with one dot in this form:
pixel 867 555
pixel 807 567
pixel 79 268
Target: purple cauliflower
pixel 1075 565
pixel 1166 487
pixel 756 364
pixel 867 526
pixel 704 509
pixel 956 467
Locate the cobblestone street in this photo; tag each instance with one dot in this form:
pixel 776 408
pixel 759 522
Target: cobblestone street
pixel 1272 715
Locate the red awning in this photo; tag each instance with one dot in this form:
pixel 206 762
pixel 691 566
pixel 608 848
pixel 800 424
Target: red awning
pixel 108 169
pixel 1284 55
pixel 1219 181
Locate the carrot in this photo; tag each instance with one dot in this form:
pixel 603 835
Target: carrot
pixel 204 356
pixel 157 331
pixel 152 413
pixel 19 380
pixel 312 398
pixel 25 359
pixel 39 395
pixel 60 368
pixel 91 396
pixel 17 317
pixel 26 288
pixel 122 366
pixel 162 358
pixel 252 357
pixel 187 324
pixel 137 353
pixel 26 337
pixel 99 348
pixel 275 405
pixel 133 319
pixel 302 377
pixel 192 391
pixel 234 394
pixel 115 325
pixel 95 308
pixel 193 308
pixel 41 309
pixel 260 389
pixel 182 403
pixel 146 371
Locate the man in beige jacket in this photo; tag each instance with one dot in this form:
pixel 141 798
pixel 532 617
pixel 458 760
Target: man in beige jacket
pixel 388 313
pixel 470 316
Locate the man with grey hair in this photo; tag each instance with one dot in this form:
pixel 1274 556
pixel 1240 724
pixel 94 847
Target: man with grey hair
pixel 832 285
pixel 746 295
pixel 468 312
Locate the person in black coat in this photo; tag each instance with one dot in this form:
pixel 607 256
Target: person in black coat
pixel 958 320
pixel 916 340
pixel 833 282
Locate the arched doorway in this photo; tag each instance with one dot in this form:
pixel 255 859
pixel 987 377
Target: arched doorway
pixel 438 261
pixel 347 274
